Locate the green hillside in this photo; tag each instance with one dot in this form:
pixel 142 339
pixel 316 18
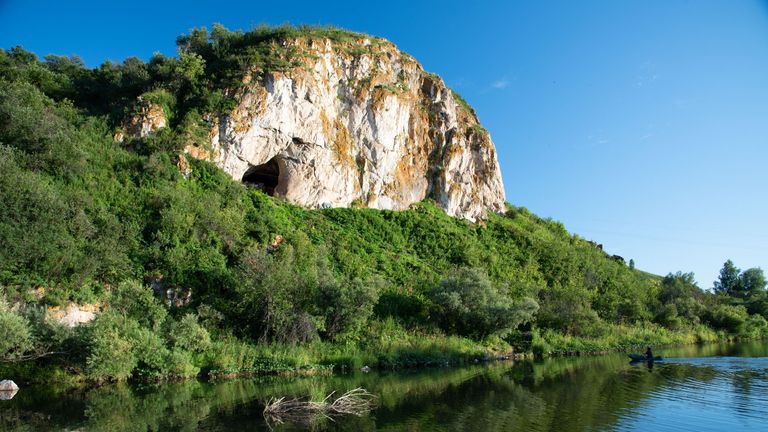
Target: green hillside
pixel 273 287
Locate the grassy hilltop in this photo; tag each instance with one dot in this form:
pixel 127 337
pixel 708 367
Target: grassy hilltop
pixel 277 288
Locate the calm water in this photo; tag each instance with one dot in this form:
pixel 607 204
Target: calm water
pixel 710 388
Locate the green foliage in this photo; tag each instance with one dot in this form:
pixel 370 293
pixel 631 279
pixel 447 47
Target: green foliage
pixel 110 348
pixel 15 335
pixel 567 309
pixel 469 304
pixel 119 347
pixel 347 306
pixel 728 282
pixel 729 318
pixel 136 301
pixel 680 301
pixel 162 98
pixel 188 335
pixel 279 288
pixel 277 296
pixel 753 282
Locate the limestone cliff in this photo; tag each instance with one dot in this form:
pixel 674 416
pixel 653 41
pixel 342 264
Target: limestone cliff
pixel 356 124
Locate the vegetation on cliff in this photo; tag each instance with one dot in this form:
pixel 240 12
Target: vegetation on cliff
pixel 274 287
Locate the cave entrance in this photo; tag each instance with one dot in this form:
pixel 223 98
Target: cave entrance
pixel 264 177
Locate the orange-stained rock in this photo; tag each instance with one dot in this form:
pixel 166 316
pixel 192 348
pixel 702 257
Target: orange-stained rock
pixel 358 123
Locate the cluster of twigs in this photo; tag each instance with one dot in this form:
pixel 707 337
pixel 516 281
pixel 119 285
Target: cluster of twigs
pixel 299 410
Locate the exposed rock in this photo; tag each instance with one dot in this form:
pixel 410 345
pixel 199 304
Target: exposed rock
pixel 276 242
pixel 183 165
pixel 177 296
pixel 38 293
pixel 8 385
pixel 171 295
pixel 73 315
pixel 368 129
pixel 148 119
pixel 197 152
pixel 8 389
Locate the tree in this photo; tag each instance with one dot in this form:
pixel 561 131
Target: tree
pixel 728 282
pixel 752 282
pixel 727 317
pixel 16 338
pixel 631 264
pixel 470 305
pixel 276 298
pixel 347 305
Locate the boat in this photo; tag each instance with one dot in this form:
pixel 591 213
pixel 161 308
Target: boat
pixel 642 357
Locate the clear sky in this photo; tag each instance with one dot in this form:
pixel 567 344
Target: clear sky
pixel 640 124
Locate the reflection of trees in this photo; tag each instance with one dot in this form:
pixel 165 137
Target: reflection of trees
pixel 573 393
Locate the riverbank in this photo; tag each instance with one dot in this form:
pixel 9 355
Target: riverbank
pixel 392 348
pixel 524 395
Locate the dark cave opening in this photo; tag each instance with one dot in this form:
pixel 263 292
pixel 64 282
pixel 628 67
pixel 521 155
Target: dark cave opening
pixel 264 177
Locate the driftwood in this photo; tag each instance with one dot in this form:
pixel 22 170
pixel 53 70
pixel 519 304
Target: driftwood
pixel 299 410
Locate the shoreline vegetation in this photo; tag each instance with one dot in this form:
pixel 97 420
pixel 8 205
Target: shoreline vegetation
pixel 423 352
pixel 194 273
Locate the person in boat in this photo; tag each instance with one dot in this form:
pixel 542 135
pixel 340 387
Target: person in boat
pixel 649 354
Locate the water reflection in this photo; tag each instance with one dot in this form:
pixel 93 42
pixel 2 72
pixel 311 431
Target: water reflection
pixel 695 387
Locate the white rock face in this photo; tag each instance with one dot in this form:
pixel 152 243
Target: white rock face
pixel 346 129
pixel 73 315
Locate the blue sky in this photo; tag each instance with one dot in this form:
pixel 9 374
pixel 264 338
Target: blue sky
pixel 640 124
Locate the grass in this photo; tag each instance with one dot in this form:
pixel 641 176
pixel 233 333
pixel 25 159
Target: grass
pixel 619 338
pixel 355 402
pixel 389 346
pixel 463 103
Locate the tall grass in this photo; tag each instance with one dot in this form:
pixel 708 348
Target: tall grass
pixel 619 338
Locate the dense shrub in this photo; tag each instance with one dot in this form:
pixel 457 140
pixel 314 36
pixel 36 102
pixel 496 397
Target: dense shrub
pixel 468 304
pixel 188 335
pixel 110 347
pixel 15 334
pixel 137 301
pixel 347 306
pixel 278 293
pixel 727 317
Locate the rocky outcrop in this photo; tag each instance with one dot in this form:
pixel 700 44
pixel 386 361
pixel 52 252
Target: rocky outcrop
pixel 358 127
pixel 171 295
pixel 355 124
pixel 73 315
pixel 148 118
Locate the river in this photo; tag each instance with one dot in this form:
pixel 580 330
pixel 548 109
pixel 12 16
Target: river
pixel 697 388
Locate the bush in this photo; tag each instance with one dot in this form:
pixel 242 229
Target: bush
pixel 134 300
pixel 110 351
pixel 728 318
pixel 469 304
pixel 188 335
pixel 347 306
pixel 179 364
pixel 755 327
pixel 15 335
pixel 277 298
